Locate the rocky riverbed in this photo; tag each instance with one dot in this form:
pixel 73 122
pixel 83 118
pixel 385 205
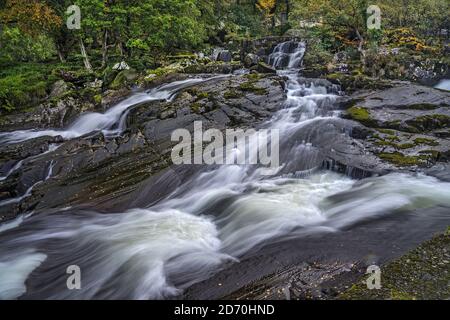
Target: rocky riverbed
pixel 396 128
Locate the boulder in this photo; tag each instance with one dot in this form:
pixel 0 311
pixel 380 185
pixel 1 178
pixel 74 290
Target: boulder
pixel 96 84
pixel 224 56
pixel 124 78
pixel 59 88
pixel 251 60
pixel 263 67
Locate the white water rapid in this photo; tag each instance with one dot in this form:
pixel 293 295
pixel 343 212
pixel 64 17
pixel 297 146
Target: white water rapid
pixel 214 218
pixel 111 123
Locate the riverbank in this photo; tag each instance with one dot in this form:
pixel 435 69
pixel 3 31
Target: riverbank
pixel 421 274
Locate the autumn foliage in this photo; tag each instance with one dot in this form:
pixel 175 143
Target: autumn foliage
pixel 32 16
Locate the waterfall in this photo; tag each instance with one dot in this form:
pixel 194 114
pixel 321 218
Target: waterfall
pixel 288 55
pixel 112 122
pixel 215 217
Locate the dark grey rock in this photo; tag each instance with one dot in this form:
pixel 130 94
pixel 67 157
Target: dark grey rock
pixel 224 56
pixel 251 60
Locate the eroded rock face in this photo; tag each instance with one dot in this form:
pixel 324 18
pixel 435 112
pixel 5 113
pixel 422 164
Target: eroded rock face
pixel 65 103
pixel 102 172
pixel 375 137
pixel 409 124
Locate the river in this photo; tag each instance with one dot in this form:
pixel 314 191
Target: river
pixel 215 219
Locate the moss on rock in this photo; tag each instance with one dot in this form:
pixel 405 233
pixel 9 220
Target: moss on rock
pixel 429 122
pixel 400 159
pixel 361 115
pixel 423 273
pixel 250 86
pixel 233 94
pixel 426 141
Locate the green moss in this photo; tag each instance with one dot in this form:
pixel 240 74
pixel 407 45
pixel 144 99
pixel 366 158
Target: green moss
pixel 196 107
pixel 232 94
pixel 430 155
pixel 400 159
pixel 420 274
pixel 124 78
pixel 384 143
pixel 429 122
pixel 203 95
pixel 253 76
pixel 182 56
pixel 161 71
pixel 362 115
pixel 359 113
pixel 393 138
pixel 199 95
pixel 389 141
pixel 98 98
pixel 395 124
pixel 351 83
pixel 387 131
pixel 251 87
pixel 429 142
pixel 403 146
pixel 376 136
pixel 400 295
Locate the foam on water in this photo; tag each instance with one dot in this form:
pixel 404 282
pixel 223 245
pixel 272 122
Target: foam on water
pixel 111 123
pixel 443 85
pixel 15 271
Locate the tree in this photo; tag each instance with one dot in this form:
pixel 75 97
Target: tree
pixel 347 19
pixel 31 16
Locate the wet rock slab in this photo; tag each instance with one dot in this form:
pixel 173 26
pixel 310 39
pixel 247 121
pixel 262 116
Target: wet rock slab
pixel 409 124
pixel 106 173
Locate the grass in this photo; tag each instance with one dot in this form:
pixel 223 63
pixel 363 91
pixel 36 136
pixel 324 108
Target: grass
pixel 23 85
pixel 28 84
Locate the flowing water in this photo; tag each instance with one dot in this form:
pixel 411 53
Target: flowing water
pixel 444 84
pixel 220 214
pixel 112 122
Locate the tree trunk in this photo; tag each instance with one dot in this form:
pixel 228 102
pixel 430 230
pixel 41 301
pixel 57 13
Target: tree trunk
pixel 105 48
pixel 361 47
pixel 87 64
pixel 288 9
pixel 60 55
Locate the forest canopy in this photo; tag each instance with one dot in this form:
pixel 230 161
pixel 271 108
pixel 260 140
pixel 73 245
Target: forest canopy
pixel 42 39
pixel 35 30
